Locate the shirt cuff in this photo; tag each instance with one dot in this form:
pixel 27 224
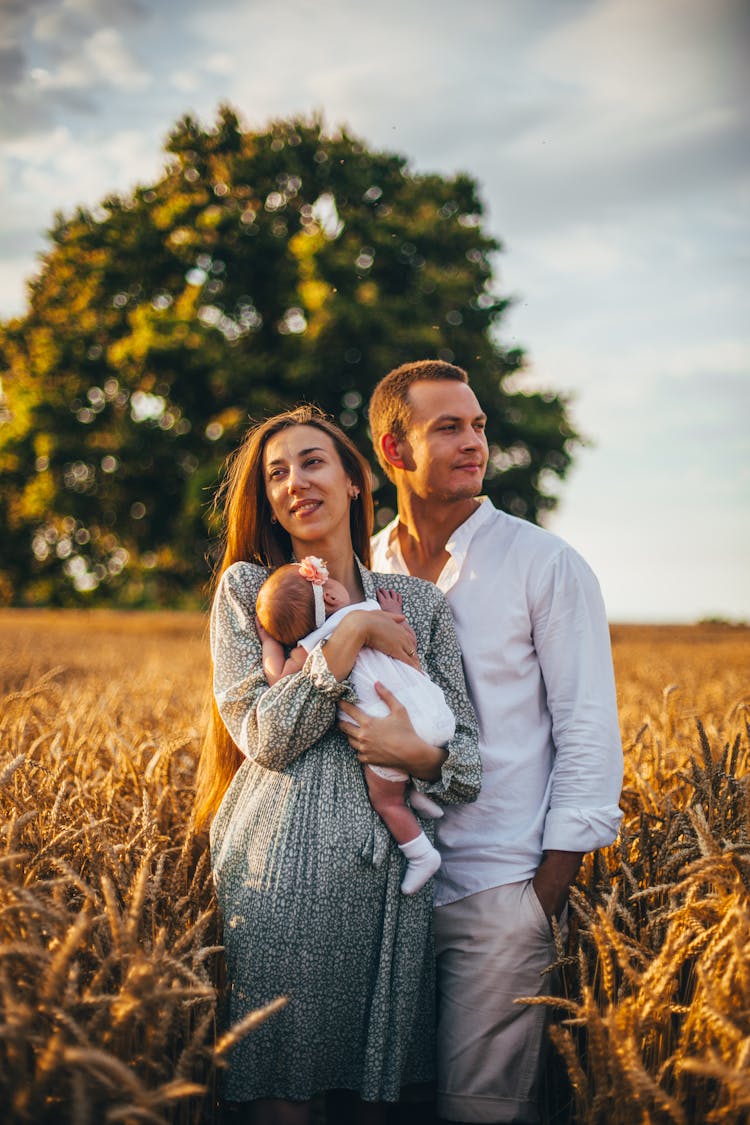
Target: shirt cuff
pixel 581 830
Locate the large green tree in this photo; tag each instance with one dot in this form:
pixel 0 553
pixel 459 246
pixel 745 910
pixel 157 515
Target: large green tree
pixel 262 269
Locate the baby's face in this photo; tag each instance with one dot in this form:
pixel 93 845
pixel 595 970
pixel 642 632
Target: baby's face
pixel 335 596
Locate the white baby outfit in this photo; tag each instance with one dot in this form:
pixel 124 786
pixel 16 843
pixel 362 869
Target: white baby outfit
pixel 424 701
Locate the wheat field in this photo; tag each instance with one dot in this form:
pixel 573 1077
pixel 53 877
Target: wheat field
pixel 110 964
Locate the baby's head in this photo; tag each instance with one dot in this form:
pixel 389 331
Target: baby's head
pixel 287 599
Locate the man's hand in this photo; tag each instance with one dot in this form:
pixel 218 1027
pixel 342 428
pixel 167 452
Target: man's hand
pixel 553 879
pixel 391 740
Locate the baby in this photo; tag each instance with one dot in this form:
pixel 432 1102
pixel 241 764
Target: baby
pixel 300 599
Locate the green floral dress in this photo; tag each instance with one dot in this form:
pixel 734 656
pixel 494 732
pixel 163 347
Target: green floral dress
pixel 308 877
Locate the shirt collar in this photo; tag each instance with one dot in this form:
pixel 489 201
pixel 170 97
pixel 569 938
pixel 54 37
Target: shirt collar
pixel 457 546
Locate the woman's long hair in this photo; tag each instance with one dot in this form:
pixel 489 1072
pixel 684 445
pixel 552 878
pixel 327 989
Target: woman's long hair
pixel 249 535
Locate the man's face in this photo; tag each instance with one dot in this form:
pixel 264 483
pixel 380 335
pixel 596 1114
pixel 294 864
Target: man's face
pixel 445 449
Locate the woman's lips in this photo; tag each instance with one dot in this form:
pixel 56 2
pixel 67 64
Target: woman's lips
pixel 305 507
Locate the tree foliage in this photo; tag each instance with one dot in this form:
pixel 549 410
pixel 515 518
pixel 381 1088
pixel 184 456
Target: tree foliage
pixel 264 268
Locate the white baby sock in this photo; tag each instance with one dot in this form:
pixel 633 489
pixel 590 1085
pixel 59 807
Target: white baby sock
pixel 425 805
pixel 422 862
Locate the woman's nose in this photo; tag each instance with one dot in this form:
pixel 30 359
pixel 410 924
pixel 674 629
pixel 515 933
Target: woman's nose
pixel 296 479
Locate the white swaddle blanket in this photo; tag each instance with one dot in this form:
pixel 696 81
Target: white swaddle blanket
pixel 424 701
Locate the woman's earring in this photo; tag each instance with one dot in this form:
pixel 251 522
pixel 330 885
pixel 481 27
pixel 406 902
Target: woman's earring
pixel 354 492
pixel 273 518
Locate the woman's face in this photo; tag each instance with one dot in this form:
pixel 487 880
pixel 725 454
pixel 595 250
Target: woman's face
pixel 308 489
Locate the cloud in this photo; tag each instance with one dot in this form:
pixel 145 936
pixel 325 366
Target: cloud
pixel 405 75
pixel 220 62
pixel 659 506
pixel 102 59
pixel 188 81
pixel 67 171
pixel 655 62
pixel 58 171
pixel 71 171
pixel 615 111
pixel 60 55
pixel 14 268
pixel 638 370
pixel 610 141
pixel 658 75
pixel 53 20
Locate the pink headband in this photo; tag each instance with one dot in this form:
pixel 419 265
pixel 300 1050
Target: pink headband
pixel 316 573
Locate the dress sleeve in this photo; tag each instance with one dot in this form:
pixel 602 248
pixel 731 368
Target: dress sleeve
pixel 461 775
pixel 270 725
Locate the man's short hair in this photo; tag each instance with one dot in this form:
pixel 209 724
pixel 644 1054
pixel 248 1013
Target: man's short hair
pixel 390 409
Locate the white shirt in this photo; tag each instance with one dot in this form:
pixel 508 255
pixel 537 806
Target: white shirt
pixel 533 631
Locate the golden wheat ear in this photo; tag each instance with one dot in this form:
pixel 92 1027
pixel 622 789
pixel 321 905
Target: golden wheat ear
pixel 110 944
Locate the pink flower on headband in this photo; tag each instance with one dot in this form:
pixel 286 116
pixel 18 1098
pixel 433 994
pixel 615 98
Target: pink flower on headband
pixel 314 570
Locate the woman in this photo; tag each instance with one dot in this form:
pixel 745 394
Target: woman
pixel 307 876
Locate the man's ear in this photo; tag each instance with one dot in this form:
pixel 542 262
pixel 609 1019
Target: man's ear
pixel 391 449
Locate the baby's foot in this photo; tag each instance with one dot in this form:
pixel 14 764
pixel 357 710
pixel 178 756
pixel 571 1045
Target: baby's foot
pixel 422 862
pixel 390 601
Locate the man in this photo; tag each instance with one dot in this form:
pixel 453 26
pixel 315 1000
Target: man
pixel 533 631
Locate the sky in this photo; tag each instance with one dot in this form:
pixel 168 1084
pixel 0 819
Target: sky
pixel 611 141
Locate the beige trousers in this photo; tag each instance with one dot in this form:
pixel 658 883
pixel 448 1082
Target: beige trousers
pixel 492 947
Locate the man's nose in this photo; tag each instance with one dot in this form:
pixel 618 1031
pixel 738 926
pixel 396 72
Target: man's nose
pixel 472 439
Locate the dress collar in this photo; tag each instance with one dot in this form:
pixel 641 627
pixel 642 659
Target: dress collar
pixel 368 582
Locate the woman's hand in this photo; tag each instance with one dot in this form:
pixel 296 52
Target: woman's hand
pixel 364 628
pixel 391 740
pixel 392 634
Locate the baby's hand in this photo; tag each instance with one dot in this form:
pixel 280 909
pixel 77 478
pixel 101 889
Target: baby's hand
pixel 390 601
pixel 263 635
